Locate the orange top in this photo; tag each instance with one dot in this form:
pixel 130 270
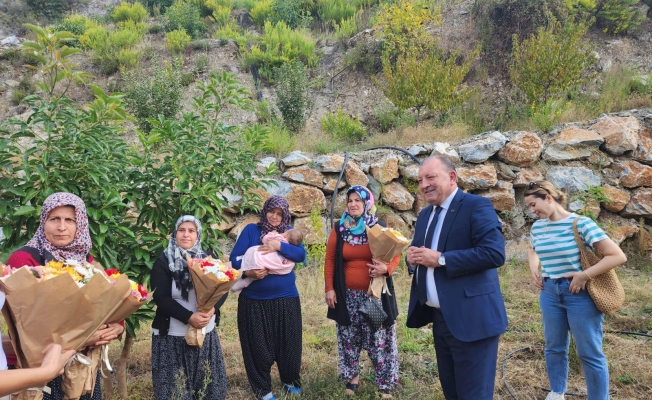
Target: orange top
pixel 356 258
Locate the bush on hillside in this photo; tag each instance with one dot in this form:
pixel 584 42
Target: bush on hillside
pixel 618 16
pixel 499 20
pixel 149 94
pixel 51 9
pixel 331 11
pixel 343 127
pixel 177 41
pixel 277 45
pixel 429 80
pixel 116 48
pixel 403 27
pixel 75 24
pixel 293 94
pixel 551 62
pixel 261 12
pixel 129 11
pixel 186 16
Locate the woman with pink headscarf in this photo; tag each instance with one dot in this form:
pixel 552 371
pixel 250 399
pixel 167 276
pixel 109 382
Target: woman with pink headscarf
pixel 63 235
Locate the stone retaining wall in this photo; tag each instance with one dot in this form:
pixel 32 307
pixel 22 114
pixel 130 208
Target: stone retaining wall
pixel 613 152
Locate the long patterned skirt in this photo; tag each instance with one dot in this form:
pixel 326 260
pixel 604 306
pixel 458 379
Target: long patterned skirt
pixel 380 344
pixel 180 371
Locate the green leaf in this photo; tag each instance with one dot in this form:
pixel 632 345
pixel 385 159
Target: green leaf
pixel 24 210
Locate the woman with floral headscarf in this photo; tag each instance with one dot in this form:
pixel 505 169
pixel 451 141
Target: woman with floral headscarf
pixel 63 235
pixel 178 369
pixel 269 310
pixel 348 270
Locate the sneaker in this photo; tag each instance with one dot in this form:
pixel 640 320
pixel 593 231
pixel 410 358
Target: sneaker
pixel 289 389
pixel 555 396
pixel 268 396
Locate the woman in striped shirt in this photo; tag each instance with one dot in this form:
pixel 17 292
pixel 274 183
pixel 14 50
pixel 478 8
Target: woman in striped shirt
pixel 565 304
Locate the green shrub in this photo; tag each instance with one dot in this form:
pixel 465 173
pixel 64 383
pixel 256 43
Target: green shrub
pixel 200 45
pixel 342 127
pixel 75 24
pixel 365 56
pixel 154 29
pixel 277 45
pixel 388 117
pixel 332 11
pixel 149 94
pixel 177 41
pixel 232 31
pixel 129 11
pixel 12 55
pixel 293 94
pixel 287 11
pixel 201 64
pixel 116 48
pixel 402 27
pixel 428 80
pixel 245 4
pixel 499 20
pixel 25 88
pixel 279 141
pixel 551 62
pixel 221 15
pixel 261 12
pixel 546 115
pixel 51 9
pixel 186 16
pixel 619 16
pixel 346 28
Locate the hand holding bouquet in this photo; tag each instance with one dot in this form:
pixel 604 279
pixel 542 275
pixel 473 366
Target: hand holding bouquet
pixel 385 244
pixel 211 280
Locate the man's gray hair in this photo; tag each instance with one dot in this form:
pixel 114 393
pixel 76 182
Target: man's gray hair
pixel 445 161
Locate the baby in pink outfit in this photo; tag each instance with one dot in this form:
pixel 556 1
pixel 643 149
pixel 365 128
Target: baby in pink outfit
pixel 274 262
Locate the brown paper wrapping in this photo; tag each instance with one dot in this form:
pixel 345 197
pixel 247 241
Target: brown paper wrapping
pixel 79 378
pixel 209 291
pixel 57 311
pixel 384 245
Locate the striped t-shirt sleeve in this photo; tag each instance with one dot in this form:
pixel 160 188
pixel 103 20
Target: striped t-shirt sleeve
pixel 554 243
pixel 590 231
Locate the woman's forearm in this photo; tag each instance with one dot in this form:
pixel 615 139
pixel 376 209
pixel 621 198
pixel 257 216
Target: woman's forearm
pixel 12 381
pixel 613 256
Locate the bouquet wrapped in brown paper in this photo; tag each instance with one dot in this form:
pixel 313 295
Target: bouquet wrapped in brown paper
pixel 385 244
pixel 57 308
pixel 211 280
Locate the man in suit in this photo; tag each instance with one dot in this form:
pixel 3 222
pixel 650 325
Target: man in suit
pixel 457 246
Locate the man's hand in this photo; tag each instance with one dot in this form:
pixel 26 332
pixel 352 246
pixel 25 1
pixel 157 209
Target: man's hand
pixel 423 256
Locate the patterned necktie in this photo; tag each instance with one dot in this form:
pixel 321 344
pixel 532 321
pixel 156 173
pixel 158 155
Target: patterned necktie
pixel 421 284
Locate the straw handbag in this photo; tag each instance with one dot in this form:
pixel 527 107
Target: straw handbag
pixel 605 289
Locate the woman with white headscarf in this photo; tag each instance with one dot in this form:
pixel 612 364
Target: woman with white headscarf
pixel 178 370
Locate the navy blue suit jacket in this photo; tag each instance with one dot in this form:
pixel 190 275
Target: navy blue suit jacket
pixel 468 288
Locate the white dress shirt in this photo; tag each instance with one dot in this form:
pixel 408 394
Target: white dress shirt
pixel 433 298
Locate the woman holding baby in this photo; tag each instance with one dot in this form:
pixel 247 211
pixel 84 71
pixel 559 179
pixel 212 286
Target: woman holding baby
pixel 348 270
pixel 269 310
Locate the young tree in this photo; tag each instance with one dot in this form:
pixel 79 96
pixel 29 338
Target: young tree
pixel 551 62
pixel 427 80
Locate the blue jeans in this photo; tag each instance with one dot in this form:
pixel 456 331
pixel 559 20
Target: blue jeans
pixel 562 312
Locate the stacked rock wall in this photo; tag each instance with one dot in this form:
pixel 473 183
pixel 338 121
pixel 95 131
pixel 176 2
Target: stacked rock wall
pixel 613 152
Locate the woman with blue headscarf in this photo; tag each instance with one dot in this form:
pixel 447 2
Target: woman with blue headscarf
pixel 348 270
pixel 181 371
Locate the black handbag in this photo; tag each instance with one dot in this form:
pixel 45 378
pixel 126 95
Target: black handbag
pixel 373 311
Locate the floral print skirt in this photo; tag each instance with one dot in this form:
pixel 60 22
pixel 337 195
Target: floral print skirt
pixel 380 344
